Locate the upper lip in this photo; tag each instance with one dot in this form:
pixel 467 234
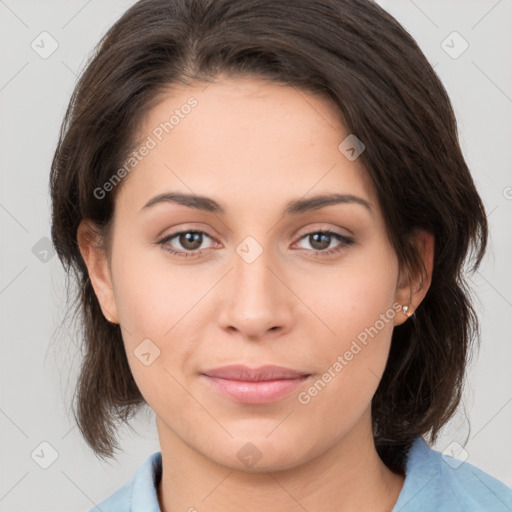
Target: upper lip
pixel 262 373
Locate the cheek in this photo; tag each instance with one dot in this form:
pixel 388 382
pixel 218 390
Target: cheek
pixel 152 294
pixel 358 306
pixel 353 297
pixel 161 306
pixel 149 304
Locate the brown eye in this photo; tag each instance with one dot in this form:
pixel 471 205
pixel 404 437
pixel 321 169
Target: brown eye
pixel 190 240
pixel 186 243
pixel 320 241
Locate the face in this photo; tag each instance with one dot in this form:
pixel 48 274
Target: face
pixel 251 277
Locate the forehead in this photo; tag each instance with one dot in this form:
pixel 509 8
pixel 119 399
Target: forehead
pixel 251 142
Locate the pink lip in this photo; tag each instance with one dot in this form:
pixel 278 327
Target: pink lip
pixel 261 385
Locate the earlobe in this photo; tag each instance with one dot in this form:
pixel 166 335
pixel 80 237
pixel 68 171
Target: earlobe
pixel 96 260
pixel 412 290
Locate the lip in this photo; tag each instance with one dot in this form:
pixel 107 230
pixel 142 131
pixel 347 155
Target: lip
pixel 262 385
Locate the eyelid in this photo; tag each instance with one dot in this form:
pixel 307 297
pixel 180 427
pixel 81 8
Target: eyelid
pixel 296 234
pixel 322 226
pixel 180 228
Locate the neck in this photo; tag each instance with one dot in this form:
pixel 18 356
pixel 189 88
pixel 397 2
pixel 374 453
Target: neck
pixel 348 477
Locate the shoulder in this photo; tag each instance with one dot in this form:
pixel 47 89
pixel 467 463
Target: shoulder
pixel 435 481
pixel 140 493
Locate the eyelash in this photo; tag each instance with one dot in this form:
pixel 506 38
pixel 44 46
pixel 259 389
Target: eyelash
pixel 345 241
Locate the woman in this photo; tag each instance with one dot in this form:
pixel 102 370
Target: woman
pixel 268 212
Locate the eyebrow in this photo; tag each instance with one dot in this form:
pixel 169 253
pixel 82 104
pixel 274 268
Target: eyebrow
pixel 295 207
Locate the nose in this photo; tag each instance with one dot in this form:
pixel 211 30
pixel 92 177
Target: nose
pixel 258 302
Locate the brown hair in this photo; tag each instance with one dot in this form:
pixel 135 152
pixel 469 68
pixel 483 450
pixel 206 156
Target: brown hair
pixel 350 51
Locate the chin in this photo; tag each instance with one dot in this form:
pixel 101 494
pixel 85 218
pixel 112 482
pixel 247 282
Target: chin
pixel 261 453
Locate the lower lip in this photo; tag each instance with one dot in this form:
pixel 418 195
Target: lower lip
pixel 261 392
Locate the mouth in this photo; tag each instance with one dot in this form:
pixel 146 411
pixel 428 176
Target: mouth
pixel 261 385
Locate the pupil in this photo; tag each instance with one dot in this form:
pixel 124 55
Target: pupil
pixel 190 240
pixel 318 243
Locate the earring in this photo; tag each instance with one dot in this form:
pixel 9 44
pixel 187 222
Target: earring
pixel 405 309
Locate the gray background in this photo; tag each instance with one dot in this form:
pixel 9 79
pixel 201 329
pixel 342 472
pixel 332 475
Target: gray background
pixel 39 360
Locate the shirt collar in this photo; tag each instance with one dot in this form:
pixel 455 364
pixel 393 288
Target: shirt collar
pixel 145 485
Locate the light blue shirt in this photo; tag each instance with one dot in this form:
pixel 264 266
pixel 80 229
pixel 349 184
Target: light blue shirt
pixel 433 482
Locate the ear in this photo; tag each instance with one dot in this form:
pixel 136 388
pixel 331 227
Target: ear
pixel 98 268
pixel 412 289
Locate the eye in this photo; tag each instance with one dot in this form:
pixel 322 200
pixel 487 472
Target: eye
pixel 189 240
pixel 321 240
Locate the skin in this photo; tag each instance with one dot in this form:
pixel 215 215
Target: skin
pixel 254 146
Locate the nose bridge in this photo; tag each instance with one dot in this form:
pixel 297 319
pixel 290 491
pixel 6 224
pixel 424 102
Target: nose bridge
pixel 251 270
pixel 257 299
